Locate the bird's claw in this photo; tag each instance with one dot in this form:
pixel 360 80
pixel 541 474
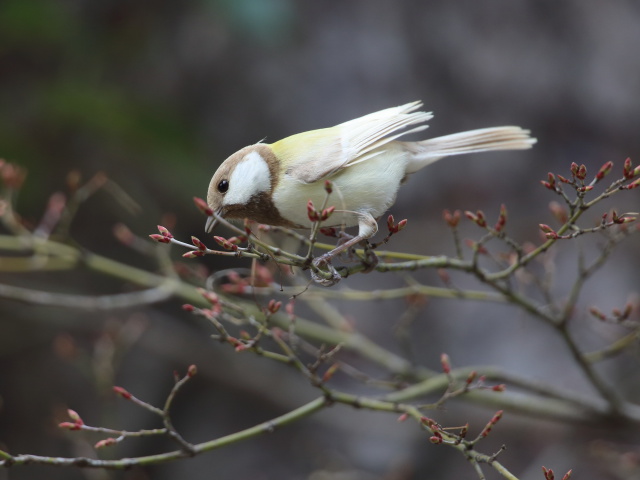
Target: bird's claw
pixel 370 261
pixel 321 263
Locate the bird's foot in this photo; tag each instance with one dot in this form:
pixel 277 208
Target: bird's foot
pixel 370 260
pixel 320 264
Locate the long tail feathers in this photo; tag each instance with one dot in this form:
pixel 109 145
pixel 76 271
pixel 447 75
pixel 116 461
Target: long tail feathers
pixel 482 140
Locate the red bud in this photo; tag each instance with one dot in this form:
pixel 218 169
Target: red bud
pixel 202 206
pixel 73 415
pixel 122 392
pixel 326 213
pixel 193 254
pixel 312 213
pixel 201 246
pixel 502 218
pixel 604 171
pixel 390 223
pixel 191 371
pixel 581 174
pixel 446 365
pixel 451 218
pixel 70 426
pixel 633 185
pixel 329 231
pixel 574 168
pixel 487 429
pixel 548 473
pixel 330 372
pixel 627 169
pixel 290 310
pixel 209 296
pixel 472 376
pixel 559 212
pixel 551 182
pixel 226 244
pixel 105 443
pixel 274 306
pixel 159 238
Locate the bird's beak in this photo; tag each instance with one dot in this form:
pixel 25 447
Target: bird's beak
pixel 211 223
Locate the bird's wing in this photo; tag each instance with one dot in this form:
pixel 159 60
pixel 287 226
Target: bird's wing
pixel 316 155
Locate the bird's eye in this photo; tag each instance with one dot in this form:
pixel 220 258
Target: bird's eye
pixel 223 186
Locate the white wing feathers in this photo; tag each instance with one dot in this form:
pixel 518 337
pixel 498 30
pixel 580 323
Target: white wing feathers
pixel 328 151
pixel 365 134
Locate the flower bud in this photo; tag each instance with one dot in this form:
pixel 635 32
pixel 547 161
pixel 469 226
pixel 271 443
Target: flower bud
pixel 446 364
pixel 559 212
pixel 273 306
pixel 326 213
pixel 390 222
pixel 633 185
pixel 70 425
pixel 105 443
pixel 330 372
pixel 202 206
pixel 122 392
pixel 627 171
pixel 73 415
pixel 201 246
pixel 403 417
pixel 451 218
pixel 159 238
pixel 581 174
pixel 209 296
pixel 502 218
pixel 471 377
pixel 312 213
pixel 329 231
pixel 226 244
pixel 604 171
pixel 574 168
pixel 548 473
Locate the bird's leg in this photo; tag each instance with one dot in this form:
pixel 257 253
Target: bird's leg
pixel 367 228
pixel 370 260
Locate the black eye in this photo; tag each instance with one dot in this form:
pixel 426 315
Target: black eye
pixel 223 186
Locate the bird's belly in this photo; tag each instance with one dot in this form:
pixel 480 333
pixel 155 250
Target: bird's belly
pixel 367 187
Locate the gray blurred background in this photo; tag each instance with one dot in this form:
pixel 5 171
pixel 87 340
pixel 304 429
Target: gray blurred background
pixel 157 93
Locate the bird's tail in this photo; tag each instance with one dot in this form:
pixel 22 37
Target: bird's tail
pixel 482 140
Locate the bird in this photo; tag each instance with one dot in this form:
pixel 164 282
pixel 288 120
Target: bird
pixel 364 159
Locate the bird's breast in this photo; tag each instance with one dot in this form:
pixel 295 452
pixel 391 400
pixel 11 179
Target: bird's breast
pixel 370 186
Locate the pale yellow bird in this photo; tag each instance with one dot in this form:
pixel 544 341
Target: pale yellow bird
pixel 363 158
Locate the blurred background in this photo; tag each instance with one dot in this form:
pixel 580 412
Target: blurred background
pixel 156 94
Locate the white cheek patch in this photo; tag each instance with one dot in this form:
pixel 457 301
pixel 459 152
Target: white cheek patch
pixel 250 177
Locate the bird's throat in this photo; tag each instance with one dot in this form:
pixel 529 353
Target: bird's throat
pixel 261 209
